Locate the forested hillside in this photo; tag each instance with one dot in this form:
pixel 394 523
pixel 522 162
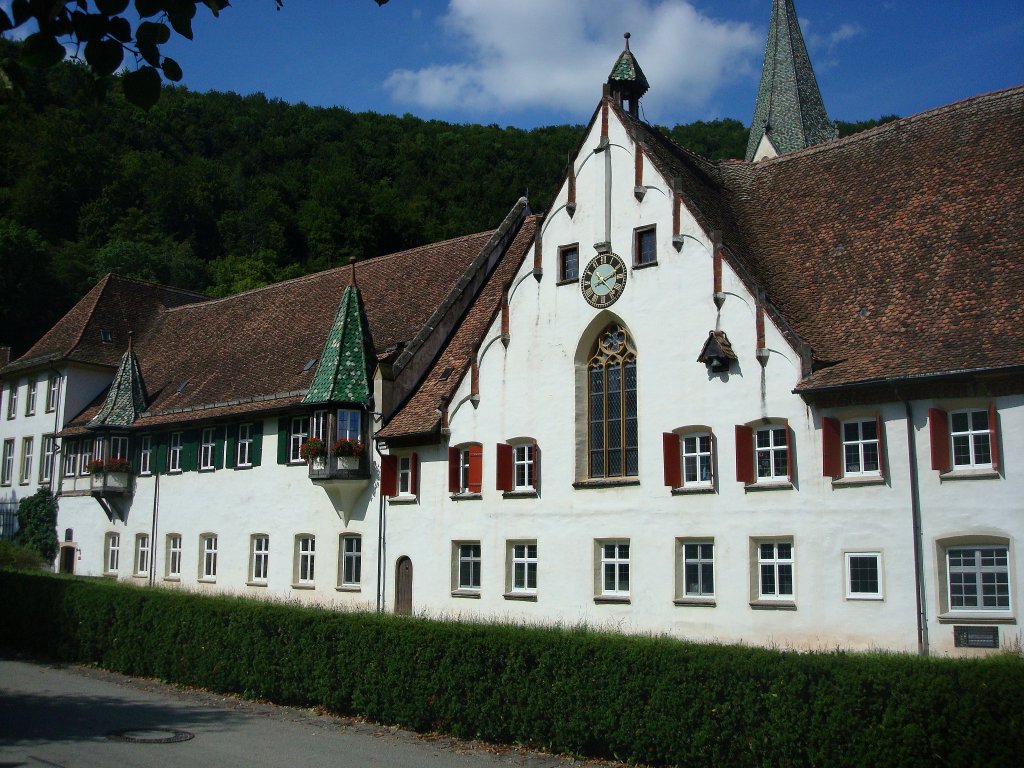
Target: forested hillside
pixel 222 193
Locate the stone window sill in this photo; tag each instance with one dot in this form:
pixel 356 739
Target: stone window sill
pixel 612 599
pixel 612 482
pixel 646 265
pixel 776 485
pixel 303 586
pixel 172 579
pixel 255 583
pixel 470 593
pixel 855 481
pixel 693 490
pixel 773 605
pixel 696 602
pixel 348 588
pixel 402 500
pixel 568 281
pixel 466 496
pixel 969 474
pixel 530 597
pixel 975 617
pixel 521 494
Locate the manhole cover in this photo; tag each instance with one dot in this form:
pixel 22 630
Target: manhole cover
pixel 151 736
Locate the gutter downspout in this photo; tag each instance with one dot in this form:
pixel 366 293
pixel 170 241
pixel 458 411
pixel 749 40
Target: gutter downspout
pixel 915 511
pixel 381 522
pixel 153 528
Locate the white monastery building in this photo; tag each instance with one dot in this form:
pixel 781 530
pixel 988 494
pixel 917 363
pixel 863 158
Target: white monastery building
pixel 774 401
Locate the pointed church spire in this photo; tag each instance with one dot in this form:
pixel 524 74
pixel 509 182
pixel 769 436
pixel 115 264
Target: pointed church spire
pixel 626 83
pixel 343 375
pixel 126 398
pixel 789 114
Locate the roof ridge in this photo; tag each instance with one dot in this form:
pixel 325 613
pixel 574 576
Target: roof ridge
pixel 882 128
pixel 152 284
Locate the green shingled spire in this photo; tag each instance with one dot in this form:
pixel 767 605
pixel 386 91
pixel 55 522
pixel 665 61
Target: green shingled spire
pixel 126 398
pixel 343 375
pixel 789 105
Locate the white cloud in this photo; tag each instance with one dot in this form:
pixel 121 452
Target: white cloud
pixel 557 54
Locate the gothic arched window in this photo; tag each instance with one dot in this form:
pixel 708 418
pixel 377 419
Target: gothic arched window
pixel 611 413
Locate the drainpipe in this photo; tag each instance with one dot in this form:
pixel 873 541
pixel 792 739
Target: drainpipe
pixel 915 512
pixel 153 529
pixel 381 522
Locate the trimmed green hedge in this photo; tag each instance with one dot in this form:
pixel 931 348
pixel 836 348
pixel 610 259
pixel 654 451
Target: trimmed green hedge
pixel 649 700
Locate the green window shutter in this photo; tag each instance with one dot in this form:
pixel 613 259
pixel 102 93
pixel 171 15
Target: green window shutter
pixel 160 442
pixel 190 450
pixel 230 440
pixel 282 440
pixel 218 447
pixel 256 452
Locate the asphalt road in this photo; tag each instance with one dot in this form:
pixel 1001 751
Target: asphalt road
pixel 54 715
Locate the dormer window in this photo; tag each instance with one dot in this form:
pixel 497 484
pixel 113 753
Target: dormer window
pixel 106 336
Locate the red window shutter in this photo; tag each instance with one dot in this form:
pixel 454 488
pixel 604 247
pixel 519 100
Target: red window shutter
pixel 790 451
pixel 938 428
pixel 993 432
pixel 503 467
pixel 454 481
pixel 881 444
pixel 670 447
pixel 476 468
pixel 744 454
pixel 389 475
pixel 536 467
pixel 831 448
pixel 414 474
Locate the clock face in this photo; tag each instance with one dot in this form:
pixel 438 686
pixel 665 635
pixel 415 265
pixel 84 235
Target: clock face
pixel 603 280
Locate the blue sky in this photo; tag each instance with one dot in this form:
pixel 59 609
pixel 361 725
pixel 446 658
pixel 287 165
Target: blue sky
pixel 541 62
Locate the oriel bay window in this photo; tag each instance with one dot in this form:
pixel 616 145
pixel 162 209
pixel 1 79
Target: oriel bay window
pixel 612 434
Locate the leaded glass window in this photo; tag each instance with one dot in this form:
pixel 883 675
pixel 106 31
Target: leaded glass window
pixel 612 416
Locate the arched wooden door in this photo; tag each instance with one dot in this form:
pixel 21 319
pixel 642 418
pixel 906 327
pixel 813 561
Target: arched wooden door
pixel 67 559
pixel 403 587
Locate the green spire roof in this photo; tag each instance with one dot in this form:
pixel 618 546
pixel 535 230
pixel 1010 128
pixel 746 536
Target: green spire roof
pixel 627 71
pixel 343 375
pixel 126 398
pixel 789 105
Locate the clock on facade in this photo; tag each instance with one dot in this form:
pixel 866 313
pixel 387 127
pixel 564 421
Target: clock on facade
pixel 603 280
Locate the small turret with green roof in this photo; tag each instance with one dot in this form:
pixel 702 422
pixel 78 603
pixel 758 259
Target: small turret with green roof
pixel 126 398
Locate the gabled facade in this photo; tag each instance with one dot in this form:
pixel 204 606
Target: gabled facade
pixel 774 403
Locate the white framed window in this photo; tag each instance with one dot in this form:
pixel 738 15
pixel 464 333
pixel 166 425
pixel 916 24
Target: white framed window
pixel 864 576
pixel 52 392
pixel 405 476
pixel 208 557
pixel 972 439
pixel 207 449
pixel 775 570
pixel 523 467
pixel 145 455
pixel 351 560
pixel 172 568
pixel 30 400
pixel 698 562
pixel 70 451
pixel 695 455
pixel 112 552
pixel 49 457
pixel 305 559
pixel 119 447
pixel 12 400
pixel 771 453
pixel 349 424
pixel 243 457
pixel 142 554
pixel 318 425
pixel 7 468
pixel 259 558
pixel 84 456
pixel 468 571
pixel 465 466
pixel 978 578
pixel 860 448
pixel 27 449
pixel 523 567
pixel 614 568
pixel 299 435
pixel 174 453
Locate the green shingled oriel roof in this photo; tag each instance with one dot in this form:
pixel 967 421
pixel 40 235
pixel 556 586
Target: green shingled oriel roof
pixel 126 398
pixel 789 102
pixel 343 375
